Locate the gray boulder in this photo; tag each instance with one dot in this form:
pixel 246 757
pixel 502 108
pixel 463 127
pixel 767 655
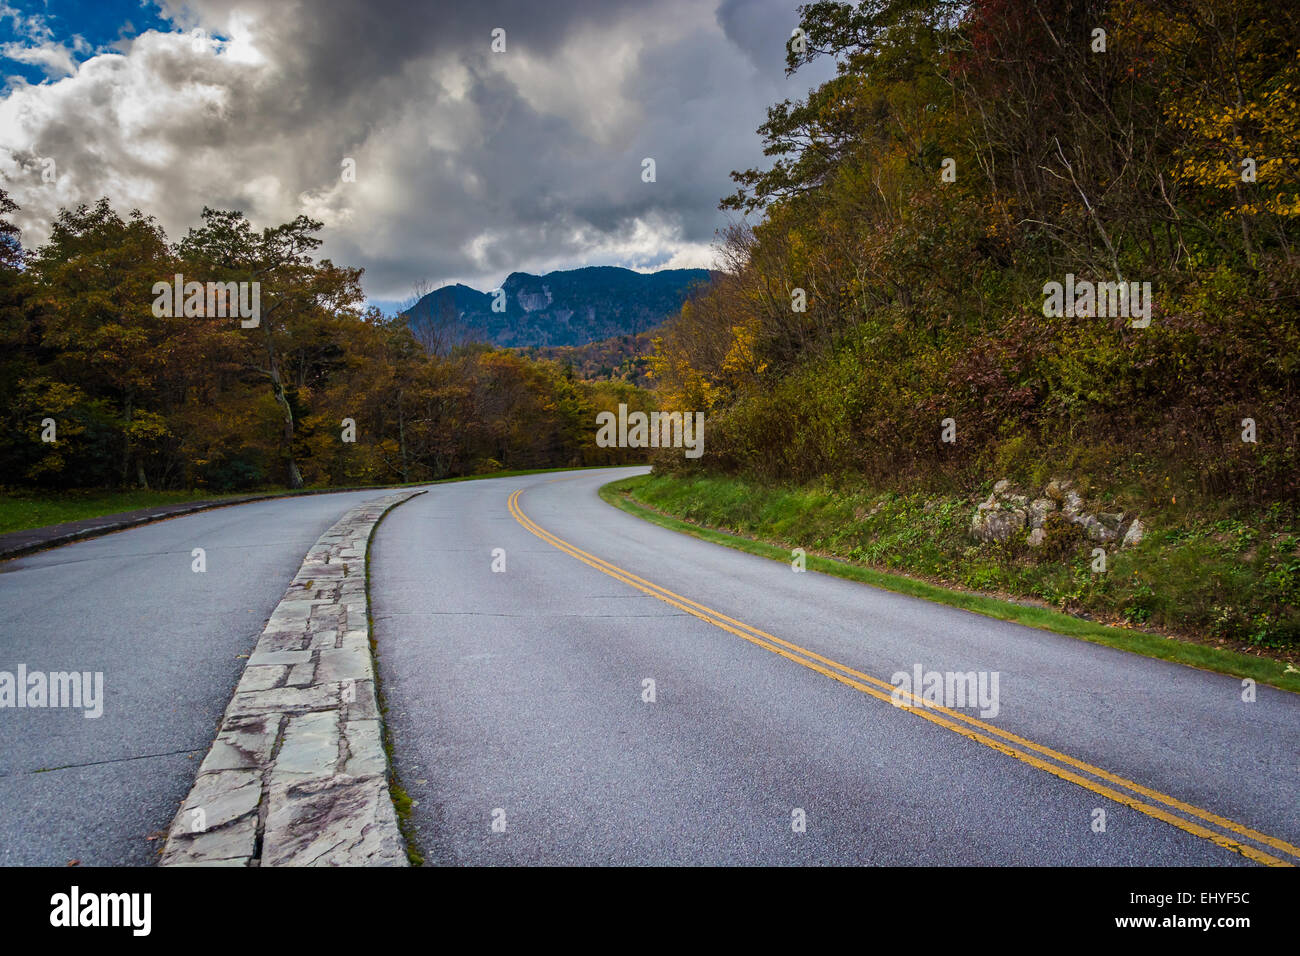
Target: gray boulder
pixel 1057 487
pixel 1095 529
pixel 1039 509
pixel 1111 520
pixel 995 524
pixel 1134 534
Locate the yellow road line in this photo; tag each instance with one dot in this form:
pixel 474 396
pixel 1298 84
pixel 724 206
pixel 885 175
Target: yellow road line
pixel 1009 744
pixel 1205 815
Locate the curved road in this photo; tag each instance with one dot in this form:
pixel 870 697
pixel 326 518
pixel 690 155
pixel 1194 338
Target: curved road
pixel 619 693
pixel 518 697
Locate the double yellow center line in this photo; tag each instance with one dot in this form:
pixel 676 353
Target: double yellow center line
pixel 1230 834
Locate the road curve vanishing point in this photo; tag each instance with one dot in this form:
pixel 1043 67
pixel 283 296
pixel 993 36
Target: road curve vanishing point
pixel 565 685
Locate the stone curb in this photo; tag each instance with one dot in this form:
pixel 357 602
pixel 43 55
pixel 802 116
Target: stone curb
pixel 297 775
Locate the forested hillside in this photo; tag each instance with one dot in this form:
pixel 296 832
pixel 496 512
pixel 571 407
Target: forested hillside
pixel 924 297
pixel 623 358
pixel 919 204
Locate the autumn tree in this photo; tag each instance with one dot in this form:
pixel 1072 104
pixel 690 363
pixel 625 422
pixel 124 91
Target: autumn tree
pixel 295 293
pixel 92 291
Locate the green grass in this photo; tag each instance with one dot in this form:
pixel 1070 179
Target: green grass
pixel 21 510
pixel 403 805
pixel 770 522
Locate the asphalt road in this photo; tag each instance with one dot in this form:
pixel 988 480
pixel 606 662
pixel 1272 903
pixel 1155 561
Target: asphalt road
pixel 519 697
pixel 168 641
pixel 516 697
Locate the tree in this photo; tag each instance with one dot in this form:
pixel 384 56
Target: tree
pixel 295 292
pixel 92 288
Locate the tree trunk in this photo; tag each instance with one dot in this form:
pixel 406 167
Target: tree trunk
pixel 281 399
pixel 401 438
pixel 127 410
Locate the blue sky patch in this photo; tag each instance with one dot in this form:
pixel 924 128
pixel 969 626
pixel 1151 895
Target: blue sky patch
pixel 43 40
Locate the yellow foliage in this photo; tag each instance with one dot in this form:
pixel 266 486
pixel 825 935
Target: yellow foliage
pixel 1220 127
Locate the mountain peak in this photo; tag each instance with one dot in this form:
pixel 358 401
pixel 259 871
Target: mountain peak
pixel 565 307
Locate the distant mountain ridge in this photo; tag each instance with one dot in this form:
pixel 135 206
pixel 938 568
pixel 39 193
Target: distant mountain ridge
pixel 571 307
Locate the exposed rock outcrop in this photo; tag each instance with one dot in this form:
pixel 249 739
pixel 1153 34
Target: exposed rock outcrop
pixel 1008 512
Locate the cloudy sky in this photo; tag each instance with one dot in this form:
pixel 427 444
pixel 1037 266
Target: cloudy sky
pixel 469 163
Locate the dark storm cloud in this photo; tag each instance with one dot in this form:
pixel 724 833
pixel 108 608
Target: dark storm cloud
pixel 469 164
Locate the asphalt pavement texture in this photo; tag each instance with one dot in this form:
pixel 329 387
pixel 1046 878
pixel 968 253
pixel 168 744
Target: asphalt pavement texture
pixel 518 700
pixel 517 707
pixel 168 641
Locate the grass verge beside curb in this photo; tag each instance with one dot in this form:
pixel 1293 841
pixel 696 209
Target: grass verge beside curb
pixel 114 522
pixel 621 493
pixel 402 803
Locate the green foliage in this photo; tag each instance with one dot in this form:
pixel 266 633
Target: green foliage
pixel 1225 579
pixel 1062 538
pixel 22 509
pixel 925 296
pixel 925 299
pixel 199 402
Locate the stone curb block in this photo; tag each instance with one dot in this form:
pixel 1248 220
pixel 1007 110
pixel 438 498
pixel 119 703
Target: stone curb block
pixel 297 775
